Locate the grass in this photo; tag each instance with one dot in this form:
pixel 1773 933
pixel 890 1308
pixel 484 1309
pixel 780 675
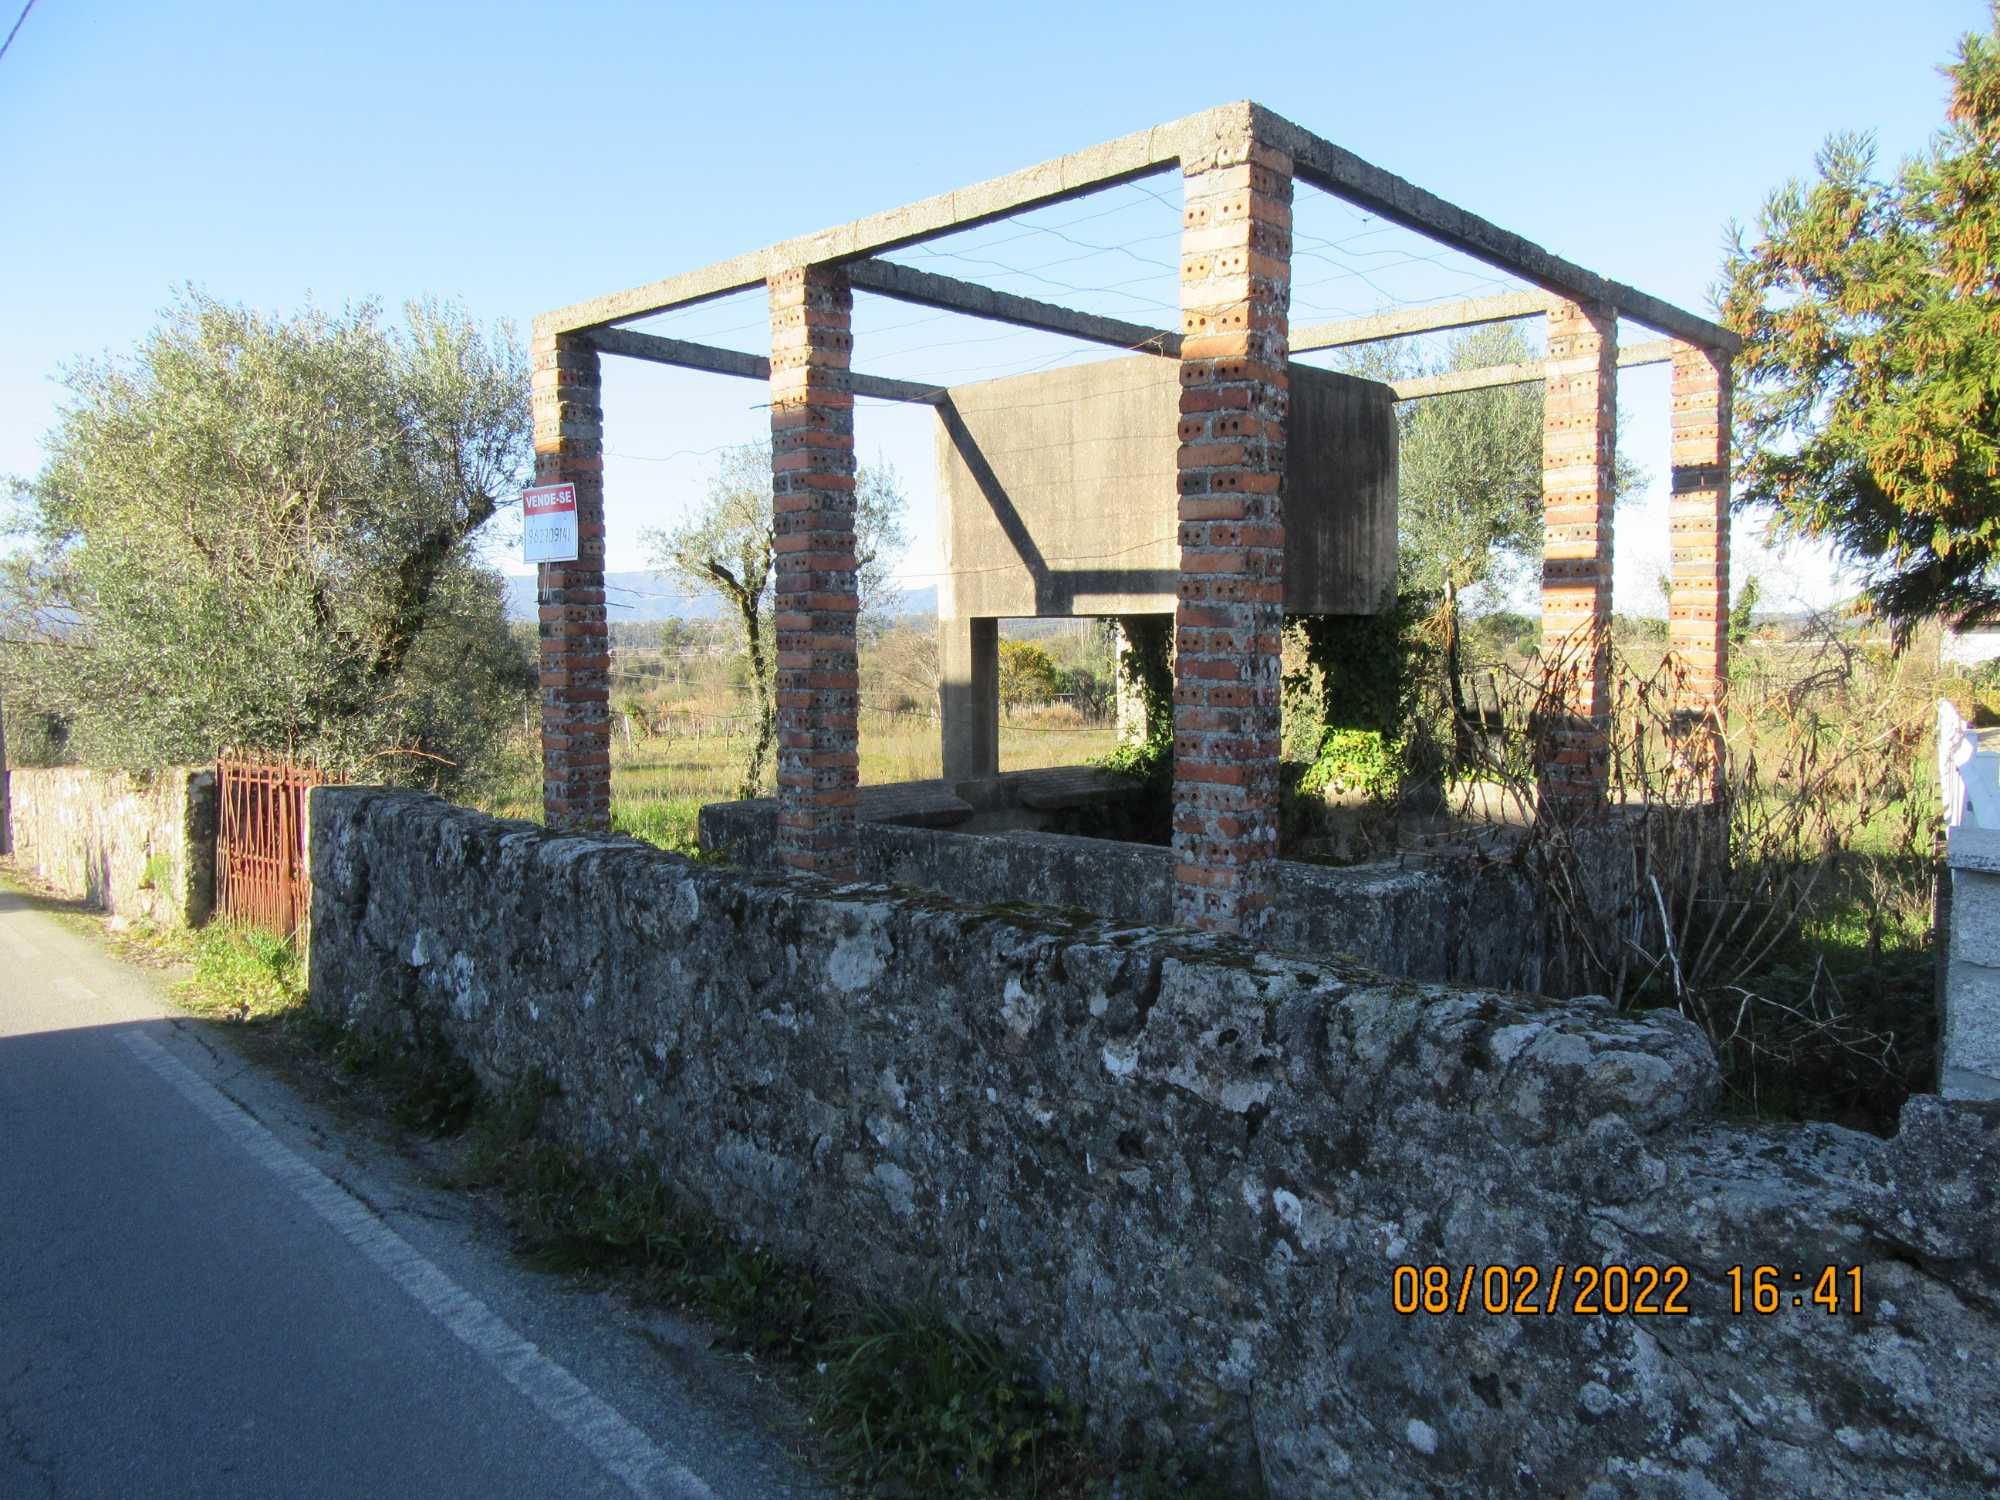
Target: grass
pixel 240 974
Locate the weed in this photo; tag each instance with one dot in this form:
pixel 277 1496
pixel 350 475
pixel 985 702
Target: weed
pixel 242 974
pixel 431 1090
pixel 669 822
pixel 911 1397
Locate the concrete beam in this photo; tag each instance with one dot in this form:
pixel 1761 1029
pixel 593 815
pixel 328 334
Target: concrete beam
pixel 1196 138
pixel 666 351
pixel 1345 175
pixel 927 289
pixel 1653 352
pixel 1137 155
pixel 1471 313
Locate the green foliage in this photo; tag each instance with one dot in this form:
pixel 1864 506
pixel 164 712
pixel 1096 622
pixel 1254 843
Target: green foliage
pixel 1028 674
pixel 430 1088
pixel 911 1400
pixel 1361 671
pixel 1502 634
pixel 259 531
pixel 39 738
pixel 243 974
pixel 1355 760
pixel 1870 313
pixel 1469 464
pixel 1743 613
pixel 1470 469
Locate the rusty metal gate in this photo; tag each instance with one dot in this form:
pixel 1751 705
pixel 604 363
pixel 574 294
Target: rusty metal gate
pixel 261 874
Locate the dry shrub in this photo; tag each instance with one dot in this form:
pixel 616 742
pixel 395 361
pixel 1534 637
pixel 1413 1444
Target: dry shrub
pixel 1782 865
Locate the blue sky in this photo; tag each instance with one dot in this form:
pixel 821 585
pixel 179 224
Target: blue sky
pixel 520 157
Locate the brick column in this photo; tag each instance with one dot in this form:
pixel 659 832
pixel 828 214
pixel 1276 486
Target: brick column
pixel 1579 437
pixel 1236 247
pixel 812 476
pixel 1698 518
pixel 575 660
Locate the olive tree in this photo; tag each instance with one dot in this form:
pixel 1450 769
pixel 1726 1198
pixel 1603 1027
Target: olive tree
pixel 261 531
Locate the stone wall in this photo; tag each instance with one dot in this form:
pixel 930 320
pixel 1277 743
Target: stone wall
pixel 137 845
pixel 1182 1175
pixel 1464 918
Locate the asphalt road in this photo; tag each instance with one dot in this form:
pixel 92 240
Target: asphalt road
pixel 210 1287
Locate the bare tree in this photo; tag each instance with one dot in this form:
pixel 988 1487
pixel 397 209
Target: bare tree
pixel 729 547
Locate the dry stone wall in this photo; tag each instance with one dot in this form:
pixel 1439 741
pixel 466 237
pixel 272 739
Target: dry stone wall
pixel 1182 1176
pixel 1463 918
pixel 137 845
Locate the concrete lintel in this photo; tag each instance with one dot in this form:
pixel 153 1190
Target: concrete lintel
pixel 1346 176
pixel 1652 352
pixel 1137 155
pixel 927 289
pixel 1470 313
pixel 666 351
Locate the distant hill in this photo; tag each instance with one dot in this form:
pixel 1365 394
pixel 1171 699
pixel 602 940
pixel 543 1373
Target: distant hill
pixel 646 596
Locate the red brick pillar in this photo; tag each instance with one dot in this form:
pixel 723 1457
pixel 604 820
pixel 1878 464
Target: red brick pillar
pixel 1579 446
pixel 575 660
pixel 1236 252
pixel 1698 518
pixel 812 476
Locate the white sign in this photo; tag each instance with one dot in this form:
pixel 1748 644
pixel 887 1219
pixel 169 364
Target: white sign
pixel 548 523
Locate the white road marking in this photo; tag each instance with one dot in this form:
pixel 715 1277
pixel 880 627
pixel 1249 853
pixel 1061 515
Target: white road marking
pixel 622 1449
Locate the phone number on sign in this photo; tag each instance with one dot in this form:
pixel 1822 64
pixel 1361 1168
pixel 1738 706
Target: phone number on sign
pixel 1616 1290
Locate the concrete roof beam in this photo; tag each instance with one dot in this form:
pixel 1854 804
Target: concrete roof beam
pixel 927 289
pixel 1530 372
pixel 678 352
pixel 1193 140
pixel 1346 176
pixel 1471 313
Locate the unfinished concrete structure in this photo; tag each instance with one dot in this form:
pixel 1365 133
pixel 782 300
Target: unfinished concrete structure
pixel 1072 465
pixel 1238 165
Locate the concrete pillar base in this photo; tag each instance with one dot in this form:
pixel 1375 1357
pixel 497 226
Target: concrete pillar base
pixel 969 697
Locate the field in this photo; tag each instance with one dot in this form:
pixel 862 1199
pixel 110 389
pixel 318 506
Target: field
pixel 660 781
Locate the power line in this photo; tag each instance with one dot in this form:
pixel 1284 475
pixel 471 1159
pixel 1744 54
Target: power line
pixel 17 28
